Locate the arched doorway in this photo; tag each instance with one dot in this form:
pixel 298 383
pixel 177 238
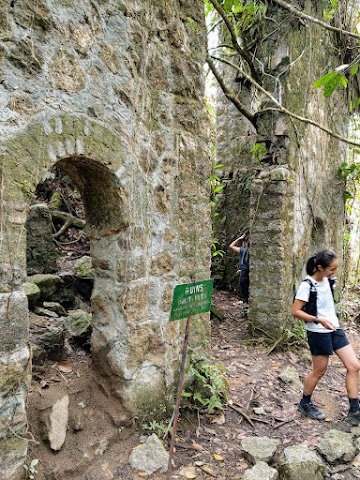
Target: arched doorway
pixel 136 347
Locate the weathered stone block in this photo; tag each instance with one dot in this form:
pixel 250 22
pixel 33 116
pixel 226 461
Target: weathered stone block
pixel 337 446
pixel 300 463
pixel 261 471
pixel 260 449
pixel 14 320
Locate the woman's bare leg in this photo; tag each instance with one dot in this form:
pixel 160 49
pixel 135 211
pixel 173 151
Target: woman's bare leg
pixel 352 365
pixel 320 363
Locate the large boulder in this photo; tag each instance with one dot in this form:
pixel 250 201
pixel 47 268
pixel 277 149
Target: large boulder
pixel 47 337
pixel 41 250
pixel 32 292
pixel 48 284
pixel 261 471
pixel 290 377
pixel 79 325
pixel 149 457
pixel 299 463
pixel 83 267
pixel 337 446
pixel 259 448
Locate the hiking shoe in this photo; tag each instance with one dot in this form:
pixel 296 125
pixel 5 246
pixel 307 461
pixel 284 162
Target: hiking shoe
pixel 353 418
pixel 311 410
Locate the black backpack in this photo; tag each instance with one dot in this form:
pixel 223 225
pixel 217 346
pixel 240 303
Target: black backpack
pixel 310 306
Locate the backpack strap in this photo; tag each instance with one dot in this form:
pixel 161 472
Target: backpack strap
pixel 312 286
pixel 310 306
pixel 332 285
pixel 245 255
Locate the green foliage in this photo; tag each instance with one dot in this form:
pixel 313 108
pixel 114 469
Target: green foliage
pixel 192 24
pixel 350 174
pixel 27 188
pixel 161 429
pixel 245 12
pixel 215 180
pixel 30 470
pixel 208 389
pixel 330 11
pixel 297 332
pixel 259 150
pixel 215 251
pixel 330 82
pixel 216 188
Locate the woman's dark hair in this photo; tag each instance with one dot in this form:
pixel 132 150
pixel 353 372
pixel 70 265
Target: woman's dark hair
pixel 323 258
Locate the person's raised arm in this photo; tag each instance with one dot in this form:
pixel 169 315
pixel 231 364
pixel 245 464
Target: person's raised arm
pixel 233 245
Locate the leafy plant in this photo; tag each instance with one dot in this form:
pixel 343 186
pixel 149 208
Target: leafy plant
pixel 216 188
pixel 27 188
pixel 331 81
pixel 331 10
pixel 30 470
pixel 161 429
pixel 208 390
pixel 259 150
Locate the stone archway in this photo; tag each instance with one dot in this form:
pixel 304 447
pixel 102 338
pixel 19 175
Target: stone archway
pixel 132 339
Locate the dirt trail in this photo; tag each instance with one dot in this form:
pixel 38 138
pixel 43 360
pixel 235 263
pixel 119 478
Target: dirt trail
pixel 101 435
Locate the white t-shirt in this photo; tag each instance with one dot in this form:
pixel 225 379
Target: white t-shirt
pixel 324 302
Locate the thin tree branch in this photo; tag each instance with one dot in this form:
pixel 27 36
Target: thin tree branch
pixel 69 221
pixel 300 14
pixel 228 93
pixel 243 53
pixel 283 109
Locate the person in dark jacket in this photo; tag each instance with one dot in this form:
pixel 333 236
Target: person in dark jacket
pixel 244 264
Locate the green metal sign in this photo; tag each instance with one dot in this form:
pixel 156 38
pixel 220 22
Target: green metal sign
pixel 191 298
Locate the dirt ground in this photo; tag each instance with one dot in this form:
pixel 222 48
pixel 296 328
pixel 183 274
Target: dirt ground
pixel 101 435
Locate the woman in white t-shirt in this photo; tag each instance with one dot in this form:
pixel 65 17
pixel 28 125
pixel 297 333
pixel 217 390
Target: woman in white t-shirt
pixel 325 336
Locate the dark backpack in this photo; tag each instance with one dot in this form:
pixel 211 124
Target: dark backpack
pixel 310 306
pixel 244 260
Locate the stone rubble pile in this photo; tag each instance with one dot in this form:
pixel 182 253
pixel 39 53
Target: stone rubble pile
pixel 336 456
pixel 59 310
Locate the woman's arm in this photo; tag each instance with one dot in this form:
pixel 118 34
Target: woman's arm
pixel 299 313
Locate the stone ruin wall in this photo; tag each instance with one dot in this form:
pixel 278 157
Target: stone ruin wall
pixel 112 93
pixel 292 202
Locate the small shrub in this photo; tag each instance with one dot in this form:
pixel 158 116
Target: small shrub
pixel 30 470
pixel 161 429
pixel 208 390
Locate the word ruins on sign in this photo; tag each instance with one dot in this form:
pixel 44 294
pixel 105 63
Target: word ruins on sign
pixel 191 298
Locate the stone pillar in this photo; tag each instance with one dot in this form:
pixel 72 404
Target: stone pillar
pixel 272 198
pixel 41 250
pixel 15 363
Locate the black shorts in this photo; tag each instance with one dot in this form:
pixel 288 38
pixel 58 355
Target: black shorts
pixel 327 343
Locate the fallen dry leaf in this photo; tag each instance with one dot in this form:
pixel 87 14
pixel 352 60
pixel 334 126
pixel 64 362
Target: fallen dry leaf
pixel 197 446
pixel 219 419
pixel 188 472
pixel 208 469
pixel 65 367
pixel 218 457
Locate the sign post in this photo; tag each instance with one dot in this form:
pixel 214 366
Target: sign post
pixel 189 299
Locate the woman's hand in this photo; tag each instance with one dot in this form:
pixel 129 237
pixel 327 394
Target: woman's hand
pixel 326 323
